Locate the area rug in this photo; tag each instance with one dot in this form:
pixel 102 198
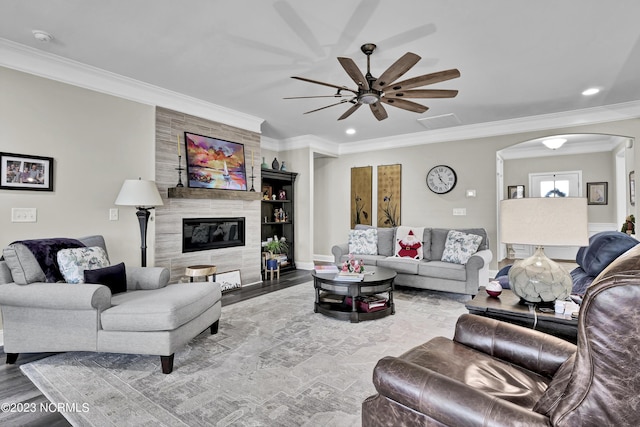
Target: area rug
pixel 274 362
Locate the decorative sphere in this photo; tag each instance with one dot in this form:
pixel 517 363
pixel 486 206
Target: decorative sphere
pixel 493 288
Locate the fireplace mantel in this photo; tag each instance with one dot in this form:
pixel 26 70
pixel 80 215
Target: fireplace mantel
pixel 212 193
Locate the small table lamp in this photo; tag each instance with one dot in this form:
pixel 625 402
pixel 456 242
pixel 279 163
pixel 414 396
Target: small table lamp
pixel 144 196
pixel 555 221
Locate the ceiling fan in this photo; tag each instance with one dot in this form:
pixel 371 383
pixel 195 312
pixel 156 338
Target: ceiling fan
pixel 374 91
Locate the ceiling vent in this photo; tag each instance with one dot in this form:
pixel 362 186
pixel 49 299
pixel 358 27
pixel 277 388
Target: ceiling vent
pixel 440 122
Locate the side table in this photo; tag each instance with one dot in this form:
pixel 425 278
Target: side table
pixel 200 271
pixel 507 307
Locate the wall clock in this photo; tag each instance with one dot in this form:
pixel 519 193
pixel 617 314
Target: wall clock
pixel 441 179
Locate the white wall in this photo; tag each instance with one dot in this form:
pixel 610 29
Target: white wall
pixel 97 141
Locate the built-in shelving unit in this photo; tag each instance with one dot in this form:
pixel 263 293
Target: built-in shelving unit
pixel 273 183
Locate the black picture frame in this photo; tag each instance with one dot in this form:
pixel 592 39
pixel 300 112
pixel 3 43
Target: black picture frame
pixel 515 192
pixel 26 172
pixel 597 193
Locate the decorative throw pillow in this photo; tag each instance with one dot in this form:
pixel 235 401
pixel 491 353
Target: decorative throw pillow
pixel 363 242
pixel 114 277
pixel 73 262
pixel 409 242
pixel 460 246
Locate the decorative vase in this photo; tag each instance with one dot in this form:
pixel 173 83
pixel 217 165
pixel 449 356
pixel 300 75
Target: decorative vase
pixel 264 164
pixel 272 264
pixel 275 165
pixel 283 167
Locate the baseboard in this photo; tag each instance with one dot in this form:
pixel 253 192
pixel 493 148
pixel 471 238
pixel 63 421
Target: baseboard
pixel 304 265
pixel 323 258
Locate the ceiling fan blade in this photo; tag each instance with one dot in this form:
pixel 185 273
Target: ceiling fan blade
pixel 405 105
pixel 357 22
pixel 378 110
pixel 350 111
pixel 297 24
pixel 319 96
pixel 397 69
pixel 332 105
pixel 304 79
pixel 425 79
pixel 354 72
pixel 422 93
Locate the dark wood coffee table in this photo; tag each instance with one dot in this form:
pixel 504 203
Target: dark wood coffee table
pixel 377 280
pixel 507 307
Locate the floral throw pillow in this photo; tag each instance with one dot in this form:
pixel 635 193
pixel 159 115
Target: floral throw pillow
pixel 459 247
pixel 73 262
pixel 363 242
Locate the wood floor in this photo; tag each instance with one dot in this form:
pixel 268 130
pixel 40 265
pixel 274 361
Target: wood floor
pixel 19 392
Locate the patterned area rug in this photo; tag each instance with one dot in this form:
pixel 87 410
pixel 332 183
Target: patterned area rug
pixel 274 362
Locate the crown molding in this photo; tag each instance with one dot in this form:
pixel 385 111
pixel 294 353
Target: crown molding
pixel 33 61
pixel 587 116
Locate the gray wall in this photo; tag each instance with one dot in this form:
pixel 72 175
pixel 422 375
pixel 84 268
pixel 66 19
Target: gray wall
pixel 474 160
pixel 97 141
pixel 595 167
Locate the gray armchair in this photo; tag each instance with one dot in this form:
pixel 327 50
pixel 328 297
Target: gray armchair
pixel 499 374
pixel 151 317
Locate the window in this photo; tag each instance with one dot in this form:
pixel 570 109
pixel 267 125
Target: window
pixel 556 184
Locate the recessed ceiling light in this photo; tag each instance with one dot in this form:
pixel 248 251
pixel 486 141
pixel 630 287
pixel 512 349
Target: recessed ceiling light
pixel 42 36
pixel 591 91
pixel 350 131
pixel 554 143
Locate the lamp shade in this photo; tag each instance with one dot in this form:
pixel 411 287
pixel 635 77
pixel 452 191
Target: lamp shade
pixel 544 221
pixel 139 193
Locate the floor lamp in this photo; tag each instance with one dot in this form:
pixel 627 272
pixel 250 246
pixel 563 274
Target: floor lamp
pixel 144 196
pixel 543 221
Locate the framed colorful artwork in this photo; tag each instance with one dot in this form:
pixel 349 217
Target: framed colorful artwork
pixel 215 163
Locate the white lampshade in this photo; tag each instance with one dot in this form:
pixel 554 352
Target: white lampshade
pixel 139 193
pixel 544 221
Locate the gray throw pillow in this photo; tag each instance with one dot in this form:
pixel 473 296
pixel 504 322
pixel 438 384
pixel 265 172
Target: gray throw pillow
pixel 23 264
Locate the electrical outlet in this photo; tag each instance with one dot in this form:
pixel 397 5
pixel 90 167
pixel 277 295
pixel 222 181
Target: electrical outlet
pixel 459 211
pixel 23 215
pixel 113 214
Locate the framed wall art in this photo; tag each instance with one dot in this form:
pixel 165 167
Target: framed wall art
pixel 597 193
pixel 25 172
pixel 515 191
pixel 389 196
pixel 228 280
pixel 215 163
pixel 361 195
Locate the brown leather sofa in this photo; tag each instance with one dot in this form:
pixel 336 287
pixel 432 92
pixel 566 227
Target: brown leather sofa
pixel 498 374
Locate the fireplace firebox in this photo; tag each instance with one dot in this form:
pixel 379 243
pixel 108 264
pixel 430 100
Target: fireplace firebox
pixel 201 234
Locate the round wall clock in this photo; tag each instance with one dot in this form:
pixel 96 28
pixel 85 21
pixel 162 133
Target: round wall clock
pixel 441 179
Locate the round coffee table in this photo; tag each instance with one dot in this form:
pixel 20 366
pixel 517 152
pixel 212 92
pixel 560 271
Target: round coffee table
pixel 328 286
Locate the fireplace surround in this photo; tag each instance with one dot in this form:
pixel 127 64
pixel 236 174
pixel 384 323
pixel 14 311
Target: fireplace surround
pixel 201 234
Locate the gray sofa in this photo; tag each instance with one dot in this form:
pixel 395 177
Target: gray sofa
pixel 150 317
pixel 430 272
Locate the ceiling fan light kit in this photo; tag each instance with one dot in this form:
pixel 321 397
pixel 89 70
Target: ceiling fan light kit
pixel 373 91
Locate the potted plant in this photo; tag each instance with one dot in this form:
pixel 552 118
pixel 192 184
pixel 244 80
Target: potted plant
pixel 275 246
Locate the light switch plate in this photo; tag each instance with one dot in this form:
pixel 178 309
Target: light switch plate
pixel 24 215
pixel 113 214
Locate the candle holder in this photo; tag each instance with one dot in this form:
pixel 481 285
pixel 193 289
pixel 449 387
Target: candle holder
pixel 252 176
pixel 179 169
